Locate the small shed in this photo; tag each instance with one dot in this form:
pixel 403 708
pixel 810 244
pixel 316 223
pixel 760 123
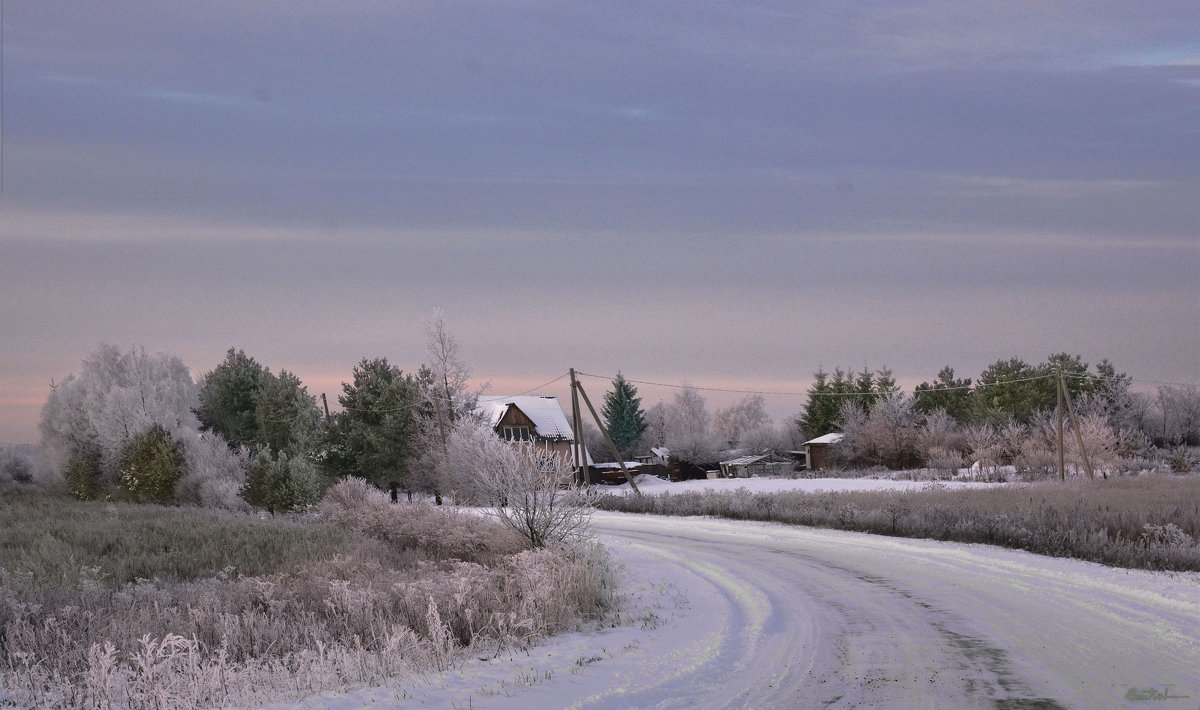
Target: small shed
pixel 818 450
pixel 760 465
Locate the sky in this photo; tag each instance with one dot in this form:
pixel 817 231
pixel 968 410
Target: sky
pixel 725 194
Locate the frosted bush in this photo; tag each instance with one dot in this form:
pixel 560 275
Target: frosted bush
pixel 215 474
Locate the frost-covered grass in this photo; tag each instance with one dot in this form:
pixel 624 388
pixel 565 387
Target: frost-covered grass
pixel 1149 522
pixel 112 606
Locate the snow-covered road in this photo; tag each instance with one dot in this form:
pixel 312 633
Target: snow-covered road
pixel 751 615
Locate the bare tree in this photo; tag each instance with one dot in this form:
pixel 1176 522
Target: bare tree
pixel 527 485
pixel 735 420
pixel 688 434
pixel 447 402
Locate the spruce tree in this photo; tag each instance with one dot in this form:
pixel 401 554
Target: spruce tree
pixel 623 412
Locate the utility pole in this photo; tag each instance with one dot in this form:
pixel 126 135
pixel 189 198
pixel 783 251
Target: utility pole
pixel 326 403
pixel 1062 469
pixel 603 430
pixel 583 477
pixel 1078 435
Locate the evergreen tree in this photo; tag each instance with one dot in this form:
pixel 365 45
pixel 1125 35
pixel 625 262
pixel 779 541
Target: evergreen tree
pixel 947 393
pixel 1014 389
pixel 821 411
pixel 286 416
pixel 885 383
pixel 228 398
pixel 375 436
pixel 151 463
pixel 281 484
pixel 623 414
pixel 864 385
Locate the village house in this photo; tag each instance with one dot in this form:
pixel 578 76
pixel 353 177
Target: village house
pixel 532 418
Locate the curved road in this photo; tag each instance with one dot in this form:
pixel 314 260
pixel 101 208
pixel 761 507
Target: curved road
pixel 748 615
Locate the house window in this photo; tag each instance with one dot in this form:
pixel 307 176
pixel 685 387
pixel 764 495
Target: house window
pixel 516 433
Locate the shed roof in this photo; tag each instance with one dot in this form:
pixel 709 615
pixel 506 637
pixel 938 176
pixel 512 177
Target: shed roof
pixel 745 460
pixel 830 438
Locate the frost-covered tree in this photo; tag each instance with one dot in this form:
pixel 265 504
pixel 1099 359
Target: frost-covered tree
pixel 659 420
pixel 525 485
pixel 689 437
pixel 16 463
pixel 732 423
pixel 446 401
pixel 116 396
pixel 623 415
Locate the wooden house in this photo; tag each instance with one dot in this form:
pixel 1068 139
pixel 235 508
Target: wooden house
pixel 532 418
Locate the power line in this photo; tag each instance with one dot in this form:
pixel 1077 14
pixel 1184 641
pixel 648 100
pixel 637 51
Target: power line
pixel 678 386
pixel 1098 378
pixel 818 394
pixel 534 389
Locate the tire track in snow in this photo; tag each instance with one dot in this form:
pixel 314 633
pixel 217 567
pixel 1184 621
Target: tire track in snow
pixel 758 615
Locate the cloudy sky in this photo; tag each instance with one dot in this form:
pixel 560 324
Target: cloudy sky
pixel 730 194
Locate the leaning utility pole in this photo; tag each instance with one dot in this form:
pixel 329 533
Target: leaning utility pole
pixel 583 477
pixel 603 430
pixel 1078 435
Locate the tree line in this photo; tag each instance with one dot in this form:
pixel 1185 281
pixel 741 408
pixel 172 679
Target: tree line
pixel 135 426
pixel 1005 417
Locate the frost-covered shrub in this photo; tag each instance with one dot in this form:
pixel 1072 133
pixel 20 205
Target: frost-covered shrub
pixel 214 474
pixel 299 611
pixel 16 463
pixel 944 461
pixel 359 506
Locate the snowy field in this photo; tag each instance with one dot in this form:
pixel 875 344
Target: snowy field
pixel 652 485
pixel 732 614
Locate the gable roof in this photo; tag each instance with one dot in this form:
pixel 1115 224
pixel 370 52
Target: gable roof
pixel 545 413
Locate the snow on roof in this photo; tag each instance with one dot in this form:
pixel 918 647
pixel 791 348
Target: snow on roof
pixel 546 414
pixel 660 451
pixel 745 460
pixel 830 438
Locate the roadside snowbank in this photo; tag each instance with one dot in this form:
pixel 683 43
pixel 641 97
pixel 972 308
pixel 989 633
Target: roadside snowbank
pixel 652 485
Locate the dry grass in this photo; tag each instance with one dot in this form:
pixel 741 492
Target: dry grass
pixel 1149 522
pixel 135 606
